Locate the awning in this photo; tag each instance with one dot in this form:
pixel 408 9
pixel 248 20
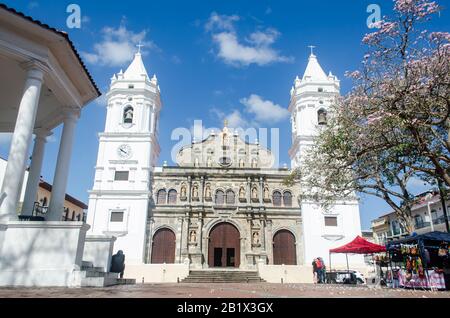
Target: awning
pixel 359 246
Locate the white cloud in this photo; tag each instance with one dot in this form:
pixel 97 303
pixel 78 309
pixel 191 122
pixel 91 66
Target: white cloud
pixel 117 46
pixel 264 110
pixel 232 51
pixel 221 22
pixel 234 119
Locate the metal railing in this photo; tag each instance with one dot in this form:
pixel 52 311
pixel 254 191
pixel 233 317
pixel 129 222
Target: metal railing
pixel 439 220
pixel 422 225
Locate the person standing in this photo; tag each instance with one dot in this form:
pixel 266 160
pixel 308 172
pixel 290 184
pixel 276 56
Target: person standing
pixel 319 270
pixel 315 276
pixel 323 271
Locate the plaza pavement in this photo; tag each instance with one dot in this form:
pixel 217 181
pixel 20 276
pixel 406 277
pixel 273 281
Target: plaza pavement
pixel 259 290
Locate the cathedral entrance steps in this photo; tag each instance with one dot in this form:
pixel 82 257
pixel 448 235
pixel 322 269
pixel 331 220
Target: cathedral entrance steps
pixel 222 276
pixel 92 276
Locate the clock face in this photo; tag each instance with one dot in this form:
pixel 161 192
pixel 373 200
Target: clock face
pixel 124 151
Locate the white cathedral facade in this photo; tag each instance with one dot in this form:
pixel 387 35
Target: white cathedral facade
pixel 223 204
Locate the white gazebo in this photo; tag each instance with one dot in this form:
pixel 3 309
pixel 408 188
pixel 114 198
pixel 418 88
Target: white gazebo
pixel 44 84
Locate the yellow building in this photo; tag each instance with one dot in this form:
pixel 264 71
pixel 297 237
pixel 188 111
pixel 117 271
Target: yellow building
pixel 74 209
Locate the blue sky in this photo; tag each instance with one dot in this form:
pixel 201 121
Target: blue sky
pixel 213 60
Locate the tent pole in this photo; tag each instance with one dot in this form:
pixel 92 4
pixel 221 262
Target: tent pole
pixel 346 257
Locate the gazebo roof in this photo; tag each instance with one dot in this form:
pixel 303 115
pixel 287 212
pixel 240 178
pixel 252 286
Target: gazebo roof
pixel 61 33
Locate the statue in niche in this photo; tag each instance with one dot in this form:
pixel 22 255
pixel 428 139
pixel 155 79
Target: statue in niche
pixel 242 193
pixel 209 162
pixel 254 163
pixel 255 238
pixel 241 163
pixel 266 193
pixel 193 237
pixel 208 191
pixel 196 162
pixel 195 191
pixel 255 193
pixel 183 191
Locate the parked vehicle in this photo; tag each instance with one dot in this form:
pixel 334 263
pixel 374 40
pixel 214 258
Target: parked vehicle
pixel 346 277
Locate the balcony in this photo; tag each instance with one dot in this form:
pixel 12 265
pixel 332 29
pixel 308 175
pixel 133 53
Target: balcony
pixel 422 225
pixel 439 220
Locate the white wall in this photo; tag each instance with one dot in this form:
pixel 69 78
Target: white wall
pixel 42 253
pixel 319 239
pixel 3 164
pixel 285 273
pixel 157 273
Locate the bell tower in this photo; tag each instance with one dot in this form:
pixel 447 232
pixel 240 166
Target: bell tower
pixel 128 152
pixel 311 97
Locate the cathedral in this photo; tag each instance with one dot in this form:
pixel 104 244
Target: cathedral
pixel 224 204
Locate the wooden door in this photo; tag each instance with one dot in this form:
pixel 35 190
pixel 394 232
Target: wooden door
pixel 224 242
pixel 284 248
pixel 163 248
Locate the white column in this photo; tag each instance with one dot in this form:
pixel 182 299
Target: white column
pixel 34 174
pixel 56 206
pixel 20 143
pixel 152 120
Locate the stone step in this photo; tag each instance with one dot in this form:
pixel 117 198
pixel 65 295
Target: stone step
pixel 222 276
pixel 126 281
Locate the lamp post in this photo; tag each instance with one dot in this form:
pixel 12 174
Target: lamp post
pixel 442 194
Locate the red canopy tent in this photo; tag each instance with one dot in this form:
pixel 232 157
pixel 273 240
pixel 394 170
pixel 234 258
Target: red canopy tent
pixel 358 246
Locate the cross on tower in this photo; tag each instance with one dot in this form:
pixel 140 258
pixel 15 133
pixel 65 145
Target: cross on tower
pixel 312 47
pixel 139 46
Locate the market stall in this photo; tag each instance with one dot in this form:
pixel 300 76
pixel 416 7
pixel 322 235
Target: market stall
pixel 357 246
pixel 423 260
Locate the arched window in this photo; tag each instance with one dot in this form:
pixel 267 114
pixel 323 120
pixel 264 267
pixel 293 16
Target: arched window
pixel 161 198
pixel 322 117
pixel 220 197
pixel 128 115
pixel 66 215
pixel 230 197
pixel 73 215
pixel 172 196
pixel 44 201
pixel 277 198
pixel 287 198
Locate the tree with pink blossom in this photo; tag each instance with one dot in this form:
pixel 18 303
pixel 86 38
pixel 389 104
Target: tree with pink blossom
pixel 393 127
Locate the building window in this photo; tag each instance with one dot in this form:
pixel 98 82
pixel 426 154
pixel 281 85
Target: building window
pixel 220 197
pixel 172 196
pixel 79 217
pixel 230 197
pixel 161 197
pixel 66 214
pixel 331 221
pixel 131 86
pixel 116 217
pixel 322 117
pixel 287 198
pixel 276 198
pixel 320 89
pixel 73 215
pixel 121 175
pixel 128 115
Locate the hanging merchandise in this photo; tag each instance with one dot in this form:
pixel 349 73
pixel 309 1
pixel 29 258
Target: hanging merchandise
pixel 420 270
pixel 443 250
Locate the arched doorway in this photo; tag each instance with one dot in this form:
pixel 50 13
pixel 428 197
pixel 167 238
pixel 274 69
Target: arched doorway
pixel 284 248
pixel 163 247
pixel 224 248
